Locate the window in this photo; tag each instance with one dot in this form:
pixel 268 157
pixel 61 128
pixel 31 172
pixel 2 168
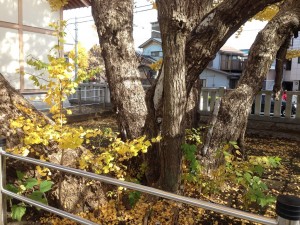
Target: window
pixel 292 42
pixel 156 54
pixel 298 60
pixel 288 65
pixel 203 81
pixel 233 83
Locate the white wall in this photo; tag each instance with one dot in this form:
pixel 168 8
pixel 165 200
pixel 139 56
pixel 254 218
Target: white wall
pixel 214 79
pixel 294 74
pixel 37 13
pixel 9 11
pixel 270 80
pixel 37 45
pixel 9 55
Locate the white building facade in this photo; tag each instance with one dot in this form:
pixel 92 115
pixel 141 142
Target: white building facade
pixel 24 31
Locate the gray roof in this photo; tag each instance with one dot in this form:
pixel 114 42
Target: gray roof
pixel 157 40
pixel 231 50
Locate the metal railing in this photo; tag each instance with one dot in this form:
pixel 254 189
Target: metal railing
pixel 137 187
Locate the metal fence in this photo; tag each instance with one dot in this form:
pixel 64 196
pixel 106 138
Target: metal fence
pixel 90 93
pixel 137 187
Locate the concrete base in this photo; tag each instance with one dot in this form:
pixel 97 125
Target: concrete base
pixel 268 126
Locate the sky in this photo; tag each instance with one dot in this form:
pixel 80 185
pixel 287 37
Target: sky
pixel 143 16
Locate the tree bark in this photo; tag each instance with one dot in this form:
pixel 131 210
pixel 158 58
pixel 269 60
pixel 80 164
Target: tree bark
pixel 192 26
pixel 280 60
pixel 10 99
pixel 80 197
pixel 213 31
pixel 235 106
pixel 174 26
pixel 114 21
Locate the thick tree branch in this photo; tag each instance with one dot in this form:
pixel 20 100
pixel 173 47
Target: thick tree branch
pixel 235 106
pixel 280 59
pixel 214 30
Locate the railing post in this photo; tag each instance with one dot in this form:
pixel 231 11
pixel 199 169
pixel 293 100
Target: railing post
pixel 222 91
pixel 3 203
pixel 288 210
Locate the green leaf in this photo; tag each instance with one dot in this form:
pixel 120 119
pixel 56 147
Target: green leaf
pixel 38 196
pixel 17 212
pixel 259 170
pixel 31 182
pixel 20 175
pixel 45 186
pixel 134 196
pixel 248 177
pixel 12 188
pixel 233 142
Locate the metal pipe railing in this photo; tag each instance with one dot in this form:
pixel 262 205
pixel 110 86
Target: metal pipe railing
pixel 186 200
pixel 48 208
pixel 3 200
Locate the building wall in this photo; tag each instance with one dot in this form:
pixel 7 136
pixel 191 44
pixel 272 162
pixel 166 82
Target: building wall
pixel 270 80
pixel 214 79
pixel 293 75
pixel 217 62
pixel 9 57
pixel 24 30
pixel 295 71
pixel 153 47
pixel 34 45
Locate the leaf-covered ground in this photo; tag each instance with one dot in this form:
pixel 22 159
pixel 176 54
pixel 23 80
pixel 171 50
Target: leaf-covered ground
pixel 285 180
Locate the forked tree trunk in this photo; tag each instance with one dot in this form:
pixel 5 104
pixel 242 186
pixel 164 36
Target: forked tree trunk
pixel 114 22
pixel 235 106
pixel 207 30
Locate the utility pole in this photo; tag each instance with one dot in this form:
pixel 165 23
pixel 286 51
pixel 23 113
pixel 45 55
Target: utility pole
pixel 76 48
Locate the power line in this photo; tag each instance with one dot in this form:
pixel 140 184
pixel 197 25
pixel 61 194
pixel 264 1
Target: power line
pixel 142 6
pixel 81 17
pixel 143 10
pixel 85 21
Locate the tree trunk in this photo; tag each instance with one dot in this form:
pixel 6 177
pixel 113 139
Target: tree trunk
pixel 235 106
pixel 192 116
pixel 10 99
pixel 173 30
pixel 80 197
pixel 114 21
pixel 280 60
pixel 207 29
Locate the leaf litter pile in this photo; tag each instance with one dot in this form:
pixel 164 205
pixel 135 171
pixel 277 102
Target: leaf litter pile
pixel 152 210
